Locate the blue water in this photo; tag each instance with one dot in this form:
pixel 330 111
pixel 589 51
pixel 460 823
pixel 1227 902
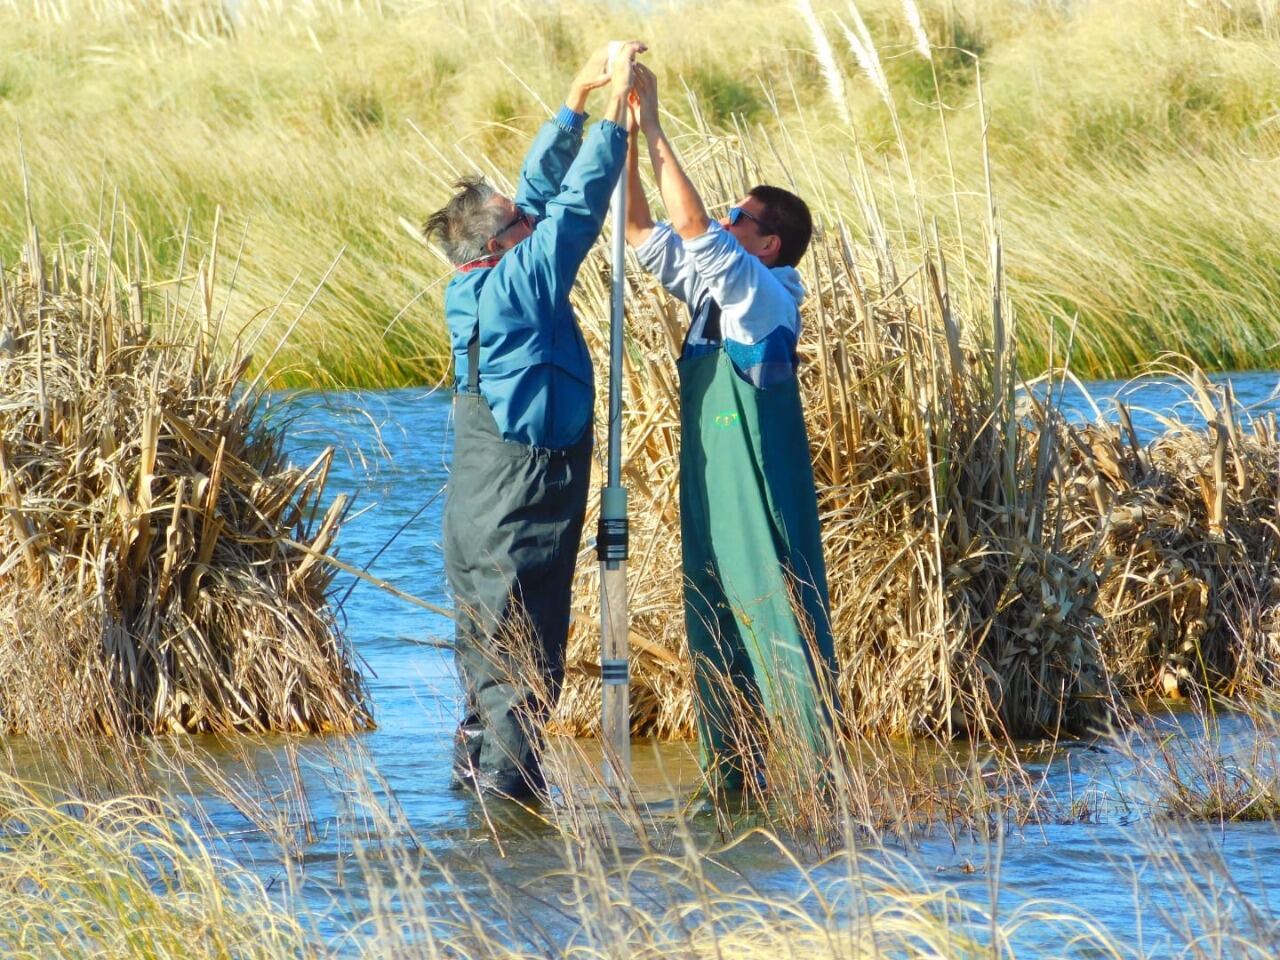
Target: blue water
pixel 393 451
pixel 1154 403
pixel 1113 862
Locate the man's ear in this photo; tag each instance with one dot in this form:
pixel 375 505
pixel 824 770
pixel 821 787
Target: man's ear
pixel 772 248
pixel 491 246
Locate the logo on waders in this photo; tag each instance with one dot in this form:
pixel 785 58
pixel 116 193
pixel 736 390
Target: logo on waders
pixel 726 419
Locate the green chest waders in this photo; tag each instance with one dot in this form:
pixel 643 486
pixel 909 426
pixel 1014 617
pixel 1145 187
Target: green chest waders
pixel 512 528
pixel 756 604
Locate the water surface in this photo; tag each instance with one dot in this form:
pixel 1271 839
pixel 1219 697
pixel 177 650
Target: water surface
pixel 1112 861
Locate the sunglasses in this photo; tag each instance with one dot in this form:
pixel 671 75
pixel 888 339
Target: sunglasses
pixel 520 217
pixel 738 214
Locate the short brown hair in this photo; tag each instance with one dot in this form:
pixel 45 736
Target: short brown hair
pixel 787 216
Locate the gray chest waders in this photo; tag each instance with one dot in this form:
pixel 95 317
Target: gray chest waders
pixel 756 604
pixel 512 529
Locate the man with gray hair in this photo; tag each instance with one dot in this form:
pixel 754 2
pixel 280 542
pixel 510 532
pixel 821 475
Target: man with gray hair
pixel 524 392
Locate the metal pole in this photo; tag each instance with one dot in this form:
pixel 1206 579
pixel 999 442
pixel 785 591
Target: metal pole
pixel 611 538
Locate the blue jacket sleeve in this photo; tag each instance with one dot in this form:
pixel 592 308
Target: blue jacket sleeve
pixel 547 161
pixel 549 259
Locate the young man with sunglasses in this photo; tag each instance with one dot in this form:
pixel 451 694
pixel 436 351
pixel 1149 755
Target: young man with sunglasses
pixel 523 402
pixel 756 604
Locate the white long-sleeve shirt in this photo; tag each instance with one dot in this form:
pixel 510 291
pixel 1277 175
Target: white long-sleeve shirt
pixel 759 305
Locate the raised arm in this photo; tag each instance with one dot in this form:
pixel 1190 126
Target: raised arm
pixel 557 143
pixel 547 161
pixel 658 248
pixel 554 251
pixel 688 215
pixel 593 75
pixel 639 218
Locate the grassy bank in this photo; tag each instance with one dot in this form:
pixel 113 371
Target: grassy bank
pixel 1131 141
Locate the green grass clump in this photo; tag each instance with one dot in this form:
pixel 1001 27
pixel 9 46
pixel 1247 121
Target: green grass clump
pixel 126 878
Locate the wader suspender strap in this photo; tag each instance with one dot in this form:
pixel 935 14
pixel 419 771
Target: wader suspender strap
pixel 473 348
pixel 710 329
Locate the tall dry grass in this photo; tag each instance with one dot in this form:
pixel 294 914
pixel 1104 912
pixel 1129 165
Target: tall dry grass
pixel 131 878
pixel 127 878
pixel 992 570
pixel 165 566
pixel 1221 767
pixel 1181 531
pixel 955 605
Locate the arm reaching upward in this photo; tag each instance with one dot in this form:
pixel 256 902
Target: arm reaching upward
pixel 685 208
pixel 555 249
pixel 639 217
pixel 594 74
pixel 557 143
pixel 622 72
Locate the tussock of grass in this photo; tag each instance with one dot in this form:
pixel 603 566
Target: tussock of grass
pixel 126 878
pixel 1181 532
pixel 164 563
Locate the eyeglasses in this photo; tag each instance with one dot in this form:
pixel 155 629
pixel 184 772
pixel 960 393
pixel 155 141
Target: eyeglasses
pixel 738 214
pixel 520 218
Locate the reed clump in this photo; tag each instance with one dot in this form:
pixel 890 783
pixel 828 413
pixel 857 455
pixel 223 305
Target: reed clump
pixel 1181 533
pixel 164 563
pixel 955 606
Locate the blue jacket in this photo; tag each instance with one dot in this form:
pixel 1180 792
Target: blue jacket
pixel 535 372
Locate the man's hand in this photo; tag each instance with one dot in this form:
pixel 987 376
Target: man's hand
pixel 597 72
pixel 624 61
pixel 620 79
pixel 594 74
pixel 644 99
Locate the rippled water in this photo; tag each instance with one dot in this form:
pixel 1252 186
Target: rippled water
pixel 393 455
